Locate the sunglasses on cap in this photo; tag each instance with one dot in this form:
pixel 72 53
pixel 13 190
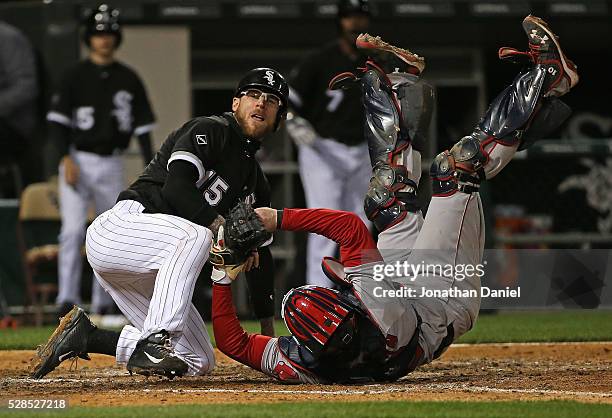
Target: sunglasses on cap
pixel 269 98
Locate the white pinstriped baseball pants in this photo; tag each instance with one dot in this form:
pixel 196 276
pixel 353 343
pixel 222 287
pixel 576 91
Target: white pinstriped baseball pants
pixel 149 264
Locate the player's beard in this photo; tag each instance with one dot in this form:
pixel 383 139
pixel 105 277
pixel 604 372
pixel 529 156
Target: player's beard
pixel 252 128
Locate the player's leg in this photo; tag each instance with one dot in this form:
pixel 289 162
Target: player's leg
pixel 397 109
pixel 322 187
pixel 163 252
pixel 105 184
pixel 133 299
pixel 396 241
pixel 73 202
pixel 75 336
pixel 453 232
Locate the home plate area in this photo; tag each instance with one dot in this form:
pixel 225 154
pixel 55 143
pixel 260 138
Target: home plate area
pixel 531 371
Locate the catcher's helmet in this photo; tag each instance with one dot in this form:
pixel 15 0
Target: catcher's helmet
pixel 349 7
pixel 267 80
pixel 103 19
pixel 314 314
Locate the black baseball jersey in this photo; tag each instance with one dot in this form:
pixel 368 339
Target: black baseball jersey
pixel 335 114
pixel 227 170
pixel 102 105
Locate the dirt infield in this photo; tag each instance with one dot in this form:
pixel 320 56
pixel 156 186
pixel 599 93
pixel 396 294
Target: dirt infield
pixel 574 371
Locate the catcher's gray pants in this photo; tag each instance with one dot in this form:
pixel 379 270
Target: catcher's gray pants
pixel 149 264
pixel 452 234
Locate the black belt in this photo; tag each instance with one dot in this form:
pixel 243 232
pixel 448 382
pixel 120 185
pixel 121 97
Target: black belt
pixel 100 149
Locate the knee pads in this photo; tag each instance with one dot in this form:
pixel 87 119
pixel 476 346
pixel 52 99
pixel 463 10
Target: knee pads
pixel 390 196
pixel 459 169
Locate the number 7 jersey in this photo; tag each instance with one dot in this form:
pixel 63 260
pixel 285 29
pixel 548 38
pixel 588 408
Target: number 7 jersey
pixel 223 156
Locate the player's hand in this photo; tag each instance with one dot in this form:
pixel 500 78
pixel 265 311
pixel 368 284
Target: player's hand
pixel 268 217
pixel 300 130
pixel 71 170
pixel 251 262
pixel 225 275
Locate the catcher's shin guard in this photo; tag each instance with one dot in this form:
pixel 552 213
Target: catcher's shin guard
pixel 389 129
pixel 508 114
pixel 529 108
pixel 382 117
pixel 398 108
pixel 521 114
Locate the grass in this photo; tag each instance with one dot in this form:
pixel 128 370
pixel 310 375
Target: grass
pixel 545 326
pixel 542 326
pixel 539 409
pixel 27 338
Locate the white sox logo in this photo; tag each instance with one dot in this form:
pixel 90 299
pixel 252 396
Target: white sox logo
pixel 270 77
pixel 123 110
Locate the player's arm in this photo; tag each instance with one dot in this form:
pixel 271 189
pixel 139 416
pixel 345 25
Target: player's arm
pixel 303 85
pixel 260 352
pixel 144 121
pixel 230 337
pixel 187 170
pixel 181 193
pixel 60 126
pixel 261 280
pixel 301 98
pixel 146 148
pixel 261 290
pixel 345 228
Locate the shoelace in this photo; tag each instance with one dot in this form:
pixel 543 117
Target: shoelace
pixel 167 346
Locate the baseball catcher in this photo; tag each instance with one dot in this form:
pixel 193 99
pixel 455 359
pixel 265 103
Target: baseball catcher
pixel 356 334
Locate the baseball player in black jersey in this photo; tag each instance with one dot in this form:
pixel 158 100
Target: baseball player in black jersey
pixel 149 249
pixel 327 126
pixel 99 105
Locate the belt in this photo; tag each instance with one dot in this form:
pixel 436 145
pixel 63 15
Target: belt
pixel 100 150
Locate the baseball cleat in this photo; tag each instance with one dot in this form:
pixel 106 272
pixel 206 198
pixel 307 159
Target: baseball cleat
pixel 416 64
pixel 545 50
pixel 154 356
pixel 69 340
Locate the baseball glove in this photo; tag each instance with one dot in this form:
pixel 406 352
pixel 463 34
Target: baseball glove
pixel 242 233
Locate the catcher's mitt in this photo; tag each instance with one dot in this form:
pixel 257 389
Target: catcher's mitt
pixel 242 233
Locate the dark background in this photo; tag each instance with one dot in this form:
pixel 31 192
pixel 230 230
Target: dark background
pixel 459 39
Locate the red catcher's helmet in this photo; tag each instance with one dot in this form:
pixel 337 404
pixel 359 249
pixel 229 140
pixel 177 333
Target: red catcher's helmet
pixel 312 315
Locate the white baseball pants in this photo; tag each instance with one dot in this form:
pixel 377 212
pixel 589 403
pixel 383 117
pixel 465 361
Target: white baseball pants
pixel 334 176
pixel 149 264
pixel 100 181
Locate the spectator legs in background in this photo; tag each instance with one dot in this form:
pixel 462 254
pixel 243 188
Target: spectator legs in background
pixel 334 176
